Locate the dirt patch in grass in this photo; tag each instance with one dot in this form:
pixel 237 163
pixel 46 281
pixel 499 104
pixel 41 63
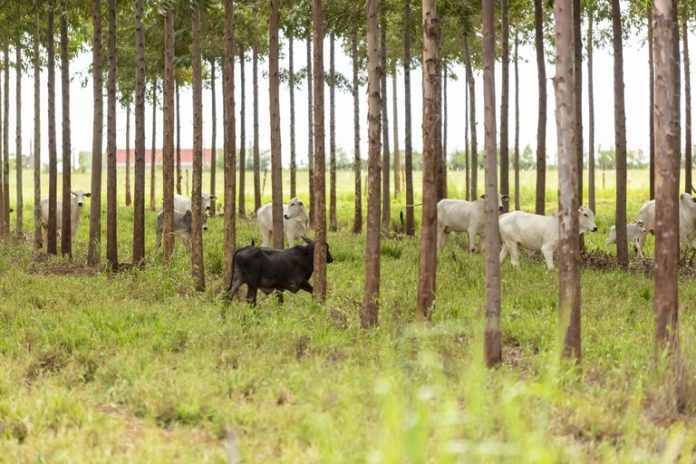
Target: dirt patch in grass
pixel 600 261
pixel 70 269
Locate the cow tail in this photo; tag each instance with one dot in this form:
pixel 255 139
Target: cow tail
pixel 229 287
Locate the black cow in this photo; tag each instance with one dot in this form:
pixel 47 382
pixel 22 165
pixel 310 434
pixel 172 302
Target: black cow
pixel 272 269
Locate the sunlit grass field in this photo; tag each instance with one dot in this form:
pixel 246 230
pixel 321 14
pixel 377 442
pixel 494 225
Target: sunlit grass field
pixel 138 367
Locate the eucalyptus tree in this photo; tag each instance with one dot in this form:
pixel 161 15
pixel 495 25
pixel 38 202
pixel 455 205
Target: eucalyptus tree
pixel 139 193
pixel 386 198
pixel 6 134
pixel 687 11
pixel 229 138
pixel 274 90
pixel 197 269
pixel 37 124
pixel 620 136
pixel 408 136
pixel 242 135
pixel 111 218
pixel 51 245
pixel 168 134
pixel 66 232
pixel 19 206
pixel 541 115
pixel 505 99
pixel 94 246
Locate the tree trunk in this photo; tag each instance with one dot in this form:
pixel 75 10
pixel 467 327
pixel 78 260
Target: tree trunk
pixel 229 139
pixel 94 247
pixel 3 205
pixel 257 169
pixel 472 119
pixel 197 269
pixel 153 152
pixel 213 145
pixel 442 189
pixel 620 137
pixel 666 181
pixel 6 137
pixel 467 174
pixel 274 90
pixel 386 199
pixel 242 138
pixel 51 245
pixel 291 84
pixel 395 124
pixel 358 219
pixel 319 293
pixel 38 239
pixel 333 221
pixel 370 306
pixel 139 191
pixel 677 73
pixel 590 104
pixel 310 128
pixel 541 125
pixel 128 156
pixel 168 136
pixel 111 236
pixel 19 207
pixel 577 42
pixel 517 125
pixel 688 187
pixel 432 147
pixel 408 150
pixel 651 84
pixel 178 143
pixel 568 202
pixel 505 101
pixel 66 229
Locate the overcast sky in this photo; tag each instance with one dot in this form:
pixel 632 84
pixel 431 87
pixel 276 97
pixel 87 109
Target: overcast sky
pixel 636 81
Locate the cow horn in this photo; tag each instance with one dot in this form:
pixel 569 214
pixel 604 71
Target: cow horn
pixel 306 240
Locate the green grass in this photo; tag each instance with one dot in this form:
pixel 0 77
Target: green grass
pixel 138 367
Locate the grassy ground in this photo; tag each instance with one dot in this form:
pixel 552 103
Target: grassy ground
pixel 138 367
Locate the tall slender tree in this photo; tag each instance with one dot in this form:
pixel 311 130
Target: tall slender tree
pixel 333 220
pixel 310 128
pixel 178 142
pixel 6 135
pixel 4 228
pixel 370 305
pixel 168 135
pixel 257 168
pixel 651 85
pixel 386 187
pixel 242 137
pixel 197 268
pixel 111 235
pixel 358 216
pixel 129 199
pixel 51 245
pixel 66 229
pixel 37 126
pixel 19 206
pixel 517 123
pixel 139 192
pixel 432 147
pixel 319 208
pixel 590 109
pixel 472 119
pixel 213 137
pixel 541 124
pixel 467 174
pixel 291 84
pixel 273 90
pixel 395 130
pixel 442 167
pixel 688 186
pixel 505 100
pixel 153 151
pixel 577 45
pixel 620 136
pixel 229 138
pixel 408 147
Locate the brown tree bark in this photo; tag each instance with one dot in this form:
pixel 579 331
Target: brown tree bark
pixel 666 180
pixel 517 124
pixel 178 142
pixel 319 293
pixel 505 101
pixel 19 206
pixel 66 226
pixel 651 84
pixel 568 202
pixel 432 147
pixel 541 125
pixel 153 151
pixel 38 239
pixel 386 187
pixel 3 206
pixel 442 167
pixel 6 136
pixel 94 246
pixel 310 128
pixel 139 178
pixel 213 139
pixel 51 245
pixel 591 115
pixel 168 137
pixel 395 131
pixel 467 174
pixel 111 222
pixel 197 269
pixel 129 199
pixel 619 137
pixel 274 90
pixel 472 119
pixel 242 137
pixel 688 186
pixel 291 85
pixel 257 168
pixel 229 139
pixel 358 216
pixel 333 221
pixel 370 306
pixel 676 62
pixel 408 148
pixel 577 43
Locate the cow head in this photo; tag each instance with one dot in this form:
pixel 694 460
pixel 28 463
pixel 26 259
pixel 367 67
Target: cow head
pixel 641 226
pixel 310 246
pixel 206 202
pixel 204 218
pixel 79 197
pixel 187 220
pixel 688 201
pixel 294 209
pixel 501 198
pixel 587 222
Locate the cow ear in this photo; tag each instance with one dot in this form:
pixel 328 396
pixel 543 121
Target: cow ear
pixel 88 194
pixel 73 193
pixel 483 196
pixel 213 197
pixel 505 197
pixel 187 213
pixel 306 240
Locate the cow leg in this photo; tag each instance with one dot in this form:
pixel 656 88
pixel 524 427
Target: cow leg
pixel 279 295
pixel 547 250
pixel 442 237
pixel 266 237
pixel 158 239
pixel 234 288
pixel 307 287
pixel 639 243
pixel 251 294
pixel 472 239
pixel 514 254
pixel 503 253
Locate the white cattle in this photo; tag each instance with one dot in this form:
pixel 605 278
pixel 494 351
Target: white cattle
pixel 295 222
pixel 633 233
pixel 182 204
pixel 77 201
pixel 462 216
pixel 536 232
pixel 687 220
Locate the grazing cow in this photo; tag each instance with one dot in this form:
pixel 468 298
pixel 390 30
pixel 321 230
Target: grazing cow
pixel 462 216
pixel 77 201
pixel 272 269
pixel 536 232
pixel 633 233
pixel 687 220
pixel 295 222
pixel 181 203
pixel 182 227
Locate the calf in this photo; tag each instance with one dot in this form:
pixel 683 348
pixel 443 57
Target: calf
pixel 272 269
pixel 77 201
pixel 181 203
pixel 536 232
pixel 633 233
pixel 687 221
pixel 462 216
pixel 182 227
pixel 295 222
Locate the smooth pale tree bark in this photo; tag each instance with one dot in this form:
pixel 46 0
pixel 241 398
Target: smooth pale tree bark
pixel 619 137
pixel 472 119
pixel 651 85
pixel 666 181
pixel 517 124
pixel 111 235
pixel 168 137
pixel 568 201
pixel 505 100
pixel 66 226
pixel 310 128
pixel 19 206
pixel 590 110
pixel 492 339
pixel 52 226
pixel 37 122
pixel 94 247
pixel 153 151
pixel 319 208
pixel 577 43
pixel 178 142
pixel 540 206
pixel 242 138
pixel 229 140
pixel 273 92
pixel 386 187
pixel 408 146
pixel 197 269
pixel 213 139
pixel 257 168
pixel 6 136
pixel 432 147
pixel 358 216
pixel 333 220
pixel 688 186
pixel 291 85
pixel 395 126
pixel 369 311
pixel 129 199
pixel 139 191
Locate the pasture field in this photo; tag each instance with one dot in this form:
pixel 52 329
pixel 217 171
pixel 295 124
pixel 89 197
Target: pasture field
pixel 138 367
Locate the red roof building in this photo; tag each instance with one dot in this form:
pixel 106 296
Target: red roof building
pixel 186 157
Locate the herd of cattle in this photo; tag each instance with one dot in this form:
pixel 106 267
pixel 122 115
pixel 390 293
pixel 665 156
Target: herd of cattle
pixel 290 269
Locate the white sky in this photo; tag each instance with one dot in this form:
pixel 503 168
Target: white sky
pixel 636 81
